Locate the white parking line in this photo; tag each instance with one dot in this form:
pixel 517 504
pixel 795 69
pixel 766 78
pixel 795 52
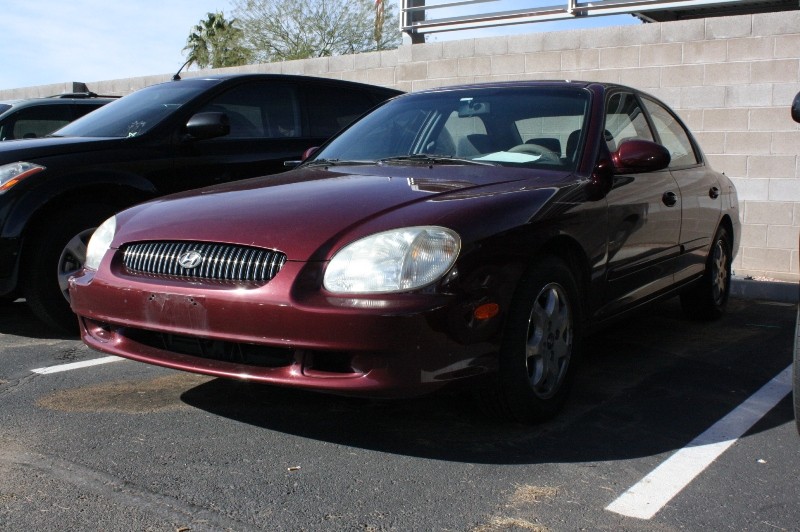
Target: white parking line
pixel 76 365
pixel 654 491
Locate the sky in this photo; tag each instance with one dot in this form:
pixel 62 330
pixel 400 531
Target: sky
pixel 57 41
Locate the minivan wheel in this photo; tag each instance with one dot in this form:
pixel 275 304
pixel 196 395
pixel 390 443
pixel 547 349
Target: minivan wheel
pixel 707 299
pixel 57 252
pixel 541 343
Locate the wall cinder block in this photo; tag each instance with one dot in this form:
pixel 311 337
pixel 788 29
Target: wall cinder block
pixel 705 52
pixel 784 189
pixel 507 64
pixel 772 166
pixel 543 62
pixel 748 143
pixel 750 95
pixel 785 142
pixel 777 70
pixel 771 119
pixel 726 119
pixel 661 54
pixel 751 48
pixel 768 212
pixel 729 27
pixel 727 73
pixel 776 23
pixel 783 236
pixel 584 59
pixel 621 57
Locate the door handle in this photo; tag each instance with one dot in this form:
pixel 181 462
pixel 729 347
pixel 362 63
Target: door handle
pixel 713 193
pixel 669 199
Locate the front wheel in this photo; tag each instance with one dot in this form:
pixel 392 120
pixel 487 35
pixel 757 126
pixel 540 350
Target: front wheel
pixel 541 343
pixel 57 252
pixel 707 299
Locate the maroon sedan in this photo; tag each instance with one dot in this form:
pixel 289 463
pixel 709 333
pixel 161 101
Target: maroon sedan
pixel 451 234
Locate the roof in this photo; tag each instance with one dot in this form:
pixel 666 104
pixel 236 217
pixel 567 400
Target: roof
pixel 707 10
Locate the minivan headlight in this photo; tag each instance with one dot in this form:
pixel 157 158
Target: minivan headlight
pixel 100 243
pixel 13 173
pixel 393 261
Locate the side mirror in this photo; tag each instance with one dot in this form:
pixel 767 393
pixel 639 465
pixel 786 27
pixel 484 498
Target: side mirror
pixel 637 156
pixel 303 158
pixel 208 125
pixel 308 153
pixel 796 108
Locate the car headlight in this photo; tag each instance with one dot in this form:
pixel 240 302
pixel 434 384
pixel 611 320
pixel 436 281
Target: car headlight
pixel 100 242
pixel 13 173
pixel 393 261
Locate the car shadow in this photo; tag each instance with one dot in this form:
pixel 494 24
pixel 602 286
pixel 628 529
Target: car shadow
pixel 17 319
pixel 647 385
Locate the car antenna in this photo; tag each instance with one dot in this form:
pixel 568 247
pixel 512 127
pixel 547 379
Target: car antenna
pixel 177 75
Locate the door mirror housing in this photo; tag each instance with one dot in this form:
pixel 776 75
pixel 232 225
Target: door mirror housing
pixel 638 156
pixel 796 108
pixel 208 125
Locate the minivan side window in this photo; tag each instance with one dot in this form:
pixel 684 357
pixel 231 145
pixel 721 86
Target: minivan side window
pixel 35 122
pixel 331 109
pixel 260 110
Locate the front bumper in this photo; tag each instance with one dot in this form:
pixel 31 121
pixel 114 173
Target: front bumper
pixel 284 334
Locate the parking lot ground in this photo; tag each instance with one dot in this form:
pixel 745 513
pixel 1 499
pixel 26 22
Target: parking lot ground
pixel 126 446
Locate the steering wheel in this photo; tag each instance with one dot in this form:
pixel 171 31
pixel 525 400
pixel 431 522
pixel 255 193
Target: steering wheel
pixel 546 155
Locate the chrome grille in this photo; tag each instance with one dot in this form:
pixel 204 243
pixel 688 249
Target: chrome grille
pixel 220 262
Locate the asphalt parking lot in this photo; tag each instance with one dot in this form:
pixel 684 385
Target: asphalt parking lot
pixel 673 425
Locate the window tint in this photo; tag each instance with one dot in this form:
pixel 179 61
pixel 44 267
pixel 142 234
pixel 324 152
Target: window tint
pixel 332 108
pixel 672 135
pixel 35 122
pixel 266 110
pixel 625 120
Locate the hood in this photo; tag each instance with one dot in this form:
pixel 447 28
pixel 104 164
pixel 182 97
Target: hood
pixel 12 151
pixel 301 211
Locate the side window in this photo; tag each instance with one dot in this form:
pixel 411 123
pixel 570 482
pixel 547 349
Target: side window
pixel 332 108
pixel 672 135
pixel 625 120
pixel 37 122
pixel 260 110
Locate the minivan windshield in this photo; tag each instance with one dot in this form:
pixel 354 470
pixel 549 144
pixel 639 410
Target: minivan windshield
pixel 136 113
pixel 537 127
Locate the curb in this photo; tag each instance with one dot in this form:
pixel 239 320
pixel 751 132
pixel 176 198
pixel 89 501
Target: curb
pixel 784 292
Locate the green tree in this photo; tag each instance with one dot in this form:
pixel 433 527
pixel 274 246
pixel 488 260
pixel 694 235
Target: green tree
pixel 216 42
pixel 280 30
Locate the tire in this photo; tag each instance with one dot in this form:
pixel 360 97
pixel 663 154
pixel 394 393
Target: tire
pixel 707 299
pixel 55 253
pixel 541 344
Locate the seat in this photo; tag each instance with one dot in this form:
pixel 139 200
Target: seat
pixel 552 144
pixel 474 144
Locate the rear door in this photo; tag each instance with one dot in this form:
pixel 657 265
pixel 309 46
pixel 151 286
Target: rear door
pixel 700 193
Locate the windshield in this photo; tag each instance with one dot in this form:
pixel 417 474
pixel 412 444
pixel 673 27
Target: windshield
pixel 521 126
pixel 136 113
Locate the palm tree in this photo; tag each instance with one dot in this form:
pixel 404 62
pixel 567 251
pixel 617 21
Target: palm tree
pixel 216 42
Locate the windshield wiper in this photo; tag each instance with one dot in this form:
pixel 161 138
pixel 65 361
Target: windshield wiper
pixel 335 162
pixel 424 158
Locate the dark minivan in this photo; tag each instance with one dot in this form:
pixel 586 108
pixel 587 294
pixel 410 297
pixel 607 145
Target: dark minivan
pixel 165 138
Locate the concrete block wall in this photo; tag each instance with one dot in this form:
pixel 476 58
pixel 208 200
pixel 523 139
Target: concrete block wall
pixel 732 80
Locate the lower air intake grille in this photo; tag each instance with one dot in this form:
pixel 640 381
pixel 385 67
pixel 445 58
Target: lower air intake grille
pixel 193 260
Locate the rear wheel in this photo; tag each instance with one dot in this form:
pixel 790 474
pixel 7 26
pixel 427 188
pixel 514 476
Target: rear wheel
pixel 541 344
pixel 707 299
pixel 57 252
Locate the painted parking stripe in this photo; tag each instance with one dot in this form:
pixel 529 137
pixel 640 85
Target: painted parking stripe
pixel 76 365
pixel 654 491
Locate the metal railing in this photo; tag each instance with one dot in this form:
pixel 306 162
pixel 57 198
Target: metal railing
pixel 427 16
